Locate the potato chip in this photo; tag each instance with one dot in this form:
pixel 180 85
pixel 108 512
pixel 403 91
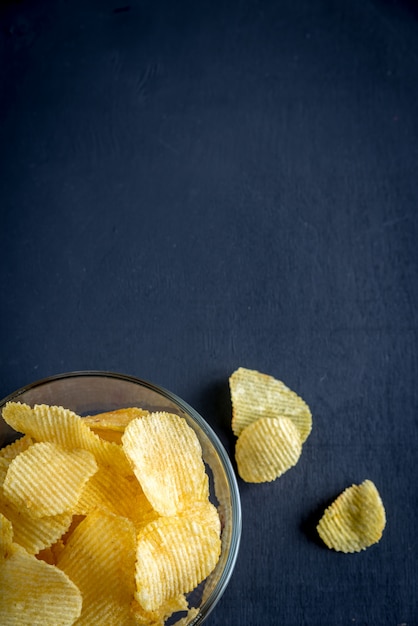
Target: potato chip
pixel 46 479
pixel 355 520
pixel 111 424
pixel 31 533
pixel 100 558
pixel 58 425
pixel 256 395
pixel 267 448
pixel 34 592
pixel 167 460
pixel 174 555
pixel 34 534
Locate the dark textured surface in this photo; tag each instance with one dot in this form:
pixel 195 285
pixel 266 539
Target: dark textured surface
pixel 189 187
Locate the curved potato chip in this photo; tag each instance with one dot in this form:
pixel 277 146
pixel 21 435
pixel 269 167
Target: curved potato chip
pixel 46 479
pixel 58 425
pixel 34 534
pixel 100 558
pixel 111 424
pixel 267 448
pixel 34 592
pixel 167 460
pixel 174 555
pixel 255 395
pixel 355 520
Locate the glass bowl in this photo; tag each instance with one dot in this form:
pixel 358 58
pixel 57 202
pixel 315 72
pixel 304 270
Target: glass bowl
pixel 89 392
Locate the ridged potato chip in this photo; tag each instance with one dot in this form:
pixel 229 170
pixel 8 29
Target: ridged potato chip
pixel 166 457
pixel 100 558
pixel 46 479
pixel 33 592
pixel 111 424
pixel 174 555
pixel 34 534
pixel 58 425
pixel 267 448
pixel 355 520
pixel 255 395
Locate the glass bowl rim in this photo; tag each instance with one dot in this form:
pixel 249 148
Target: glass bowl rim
pixel 226 574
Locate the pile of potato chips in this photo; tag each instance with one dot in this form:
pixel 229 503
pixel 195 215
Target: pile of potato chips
pixel 103 520
pixel 271 423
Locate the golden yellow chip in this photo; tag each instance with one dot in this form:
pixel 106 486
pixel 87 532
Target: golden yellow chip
pixel 111 424
pixel 267 448
pixel 174 555
pixel 100 558
pixel 167 460
pixel 58 425
pixel 46 479
pixel 255 395
pixel 34 534
pixel 33 592
pixel 355 520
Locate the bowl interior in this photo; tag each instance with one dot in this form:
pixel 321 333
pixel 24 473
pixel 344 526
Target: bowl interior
pixel 87 393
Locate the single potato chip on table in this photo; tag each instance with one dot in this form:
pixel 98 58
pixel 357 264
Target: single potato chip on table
pixel 355 520
pixel 267 448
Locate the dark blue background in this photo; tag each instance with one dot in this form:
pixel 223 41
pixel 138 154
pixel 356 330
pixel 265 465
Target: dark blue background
pixel 189 187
